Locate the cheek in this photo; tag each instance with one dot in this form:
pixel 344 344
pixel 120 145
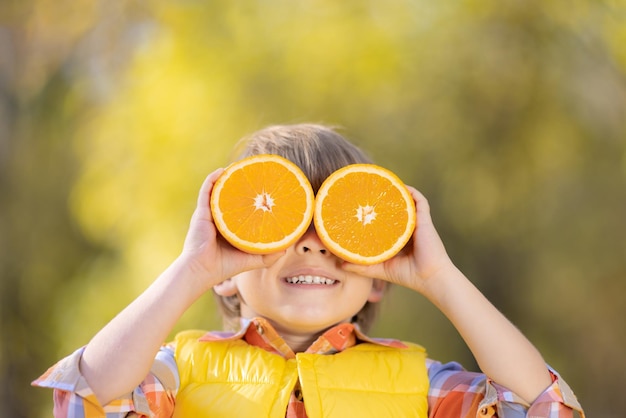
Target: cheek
pixel 253 299
pixel 251 289
pixel 359 292
pixel 249 285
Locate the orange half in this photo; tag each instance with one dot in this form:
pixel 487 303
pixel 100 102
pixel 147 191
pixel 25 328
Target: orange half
pixel 262 204
pixel 364 214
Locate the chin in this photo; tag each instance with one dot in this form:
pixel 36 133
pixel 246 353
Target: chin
pixel 309 326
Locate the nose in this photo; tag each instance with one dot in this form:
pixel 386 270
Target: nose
pixel 310 243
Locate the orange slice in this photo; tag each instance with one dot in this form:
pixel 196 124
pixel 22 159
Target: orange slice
pixel 364 214
pixel 262 204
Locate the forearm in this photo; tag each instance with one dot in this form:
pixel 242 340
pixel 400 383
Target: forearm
pixel 512 360
pixel 118 358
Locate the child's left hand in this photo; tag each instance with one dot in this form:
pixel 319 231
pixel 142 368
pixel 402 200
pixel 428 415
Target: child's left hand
pixel 422 260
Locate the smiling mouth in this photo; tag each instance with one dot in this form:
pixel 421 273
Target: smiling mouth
pixel 310 280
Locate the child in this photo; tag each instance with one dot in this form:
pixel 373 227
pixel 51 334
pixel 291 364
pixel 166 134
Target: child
pixel 301 351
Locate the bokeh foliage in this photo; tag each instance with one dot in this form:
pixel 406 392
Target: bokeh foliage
pixel 509 116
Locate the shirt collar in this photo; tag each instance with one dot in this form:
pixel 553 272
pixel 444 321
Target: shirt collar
pixel 259 332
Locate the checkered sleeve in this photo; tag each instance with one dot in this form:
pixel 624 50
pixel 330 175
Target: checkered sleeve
pixel 457 393
pixel 73 397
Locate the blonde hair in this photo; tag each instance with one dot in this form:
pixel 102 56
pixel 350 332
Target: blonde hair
pixel 319 151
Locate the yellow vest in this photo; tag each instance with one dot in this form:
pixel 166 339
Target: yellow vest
pixel 235 379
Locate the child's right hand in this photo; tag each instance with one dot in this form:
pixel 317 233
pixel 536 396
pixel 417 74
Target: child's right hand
pixel 210 257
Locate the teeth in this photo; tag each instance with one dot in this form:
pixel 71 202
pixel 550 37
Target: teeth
pixel 309 280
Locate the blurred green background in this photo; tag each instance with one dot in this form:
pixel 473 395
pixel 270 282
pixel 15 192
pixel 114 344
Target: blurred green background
pixel 509 116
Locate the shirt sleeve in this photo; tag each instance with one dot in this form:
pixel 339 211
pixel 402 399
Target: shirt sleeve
pixel 457 393
pixel 154 397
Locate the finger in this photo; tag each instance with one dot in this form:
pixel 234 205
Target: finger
pixel 422 206
pixel 204 196
pixel 420 199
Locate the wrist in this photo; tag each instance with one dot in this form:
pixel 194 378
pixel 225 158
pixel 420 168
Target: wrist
pixel 444 282
pixel 191 274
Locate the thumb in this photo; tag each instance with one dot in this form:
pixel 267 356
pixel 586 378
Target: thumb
pixel 362 270
pixel 269 259
pixel 257 261
pixel 239 261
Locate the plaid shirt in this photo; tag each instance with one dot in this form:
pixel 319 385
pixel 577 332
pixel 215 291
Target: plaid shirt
pixel 453 392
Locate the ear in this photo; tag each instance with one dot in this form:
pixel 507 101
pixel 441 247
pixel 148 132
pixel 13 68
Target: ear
pixel 378 290
pixel 227 288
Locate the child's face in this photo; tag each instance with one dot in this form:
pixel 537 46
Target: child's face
pixel 278 294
